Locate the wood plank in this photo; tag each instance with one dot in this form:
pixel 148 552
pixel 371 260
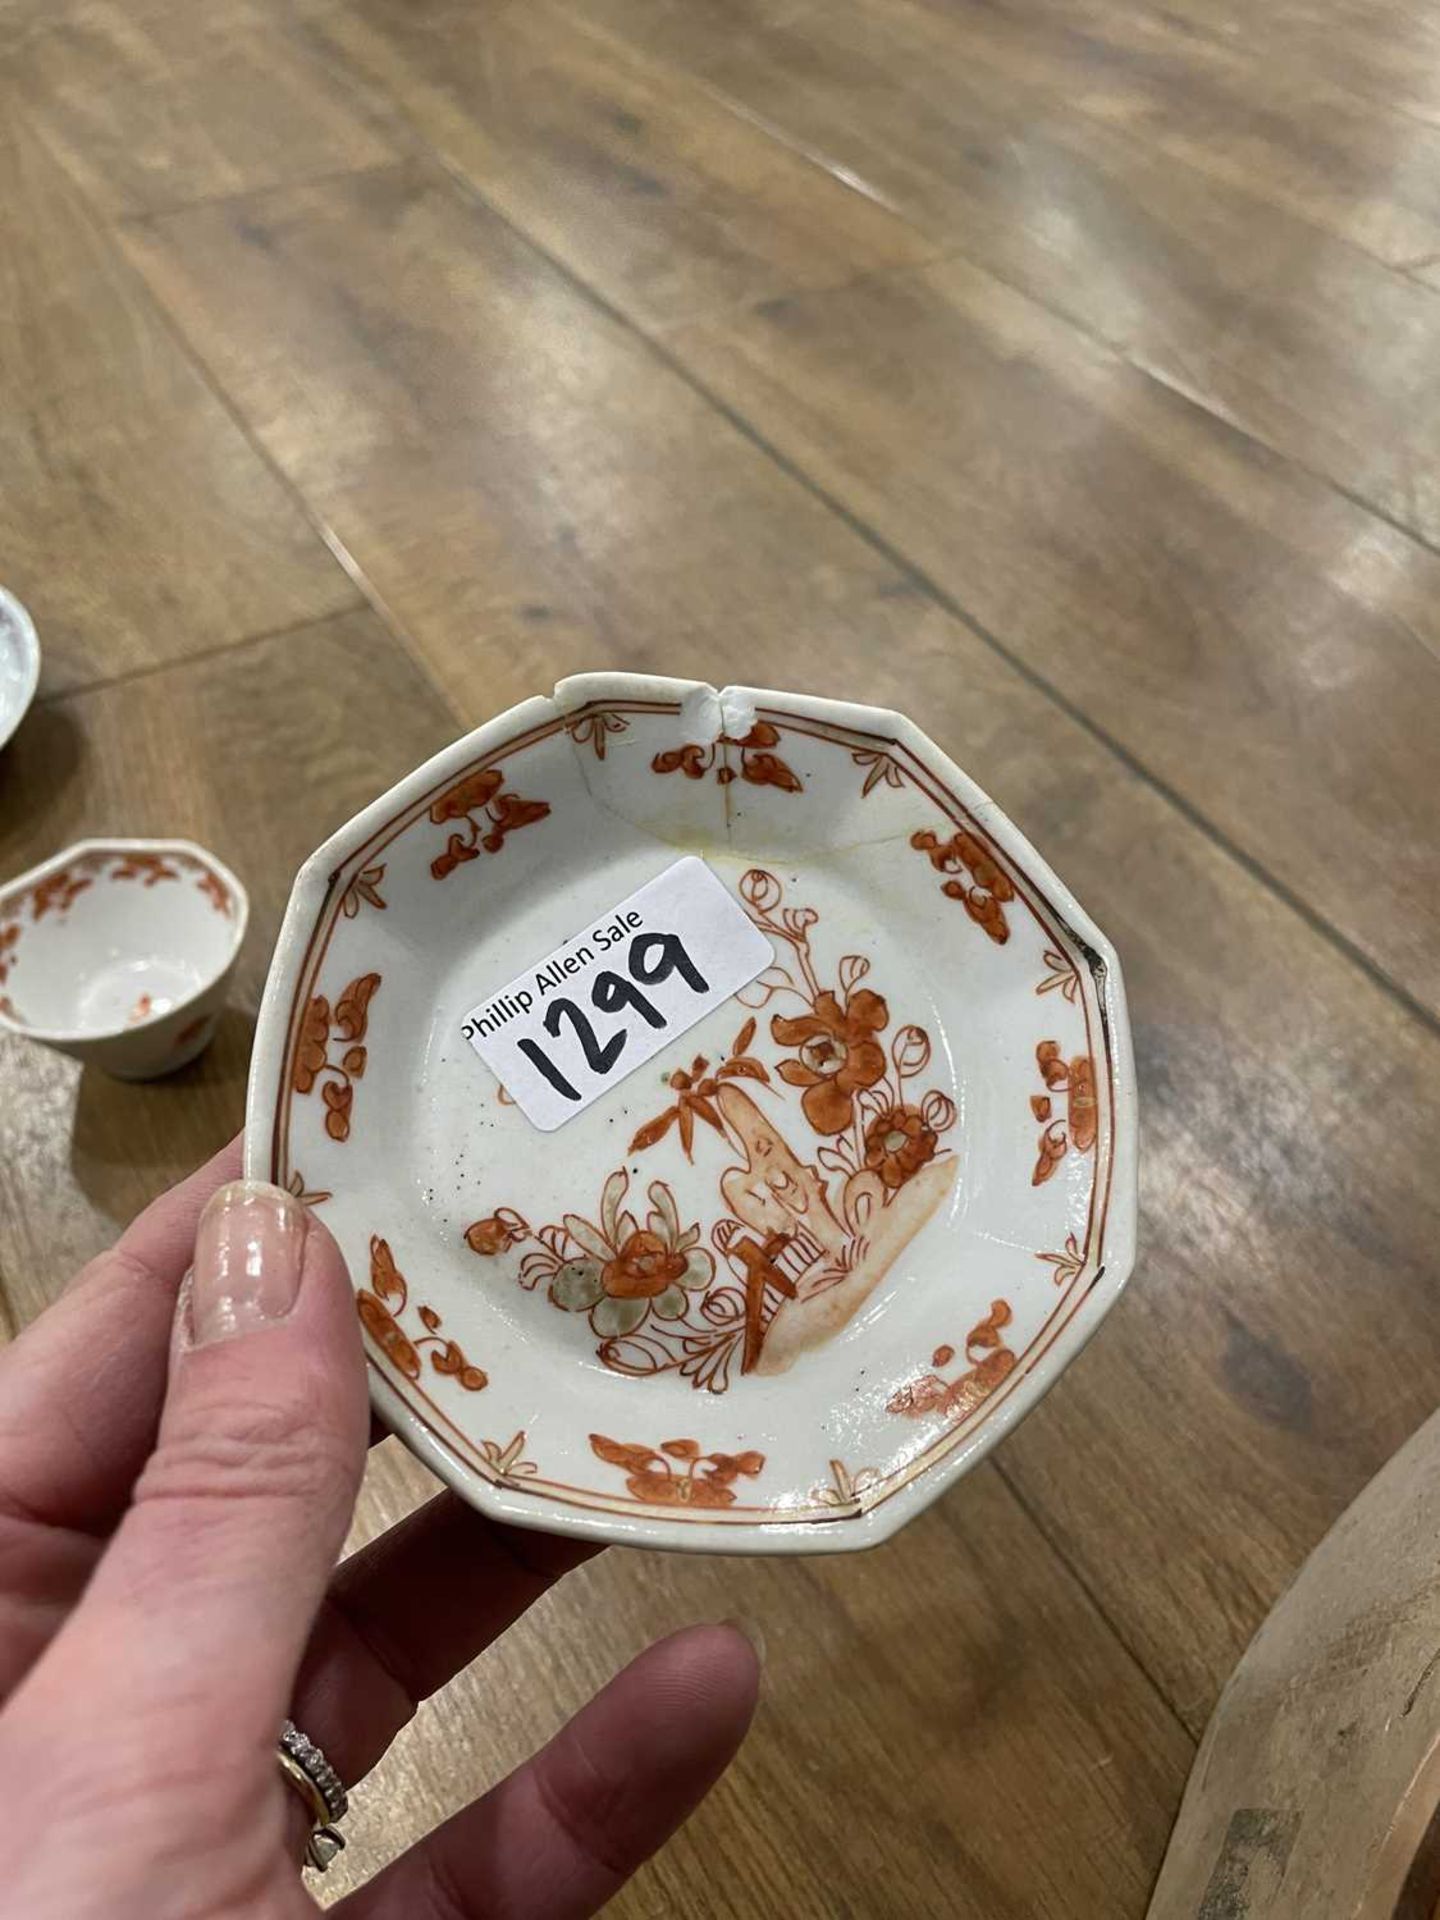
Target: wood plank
pixel 1292 139
pixel 1386 50
pixel 1316 1787
pixel 538 504
pixel 257 753
pixel 1277 129
pixel 657 194
pixel 946 1727
pixel 136 520
pixel 152 105
pixel 1309 344
pixel 1284 1198
pixel 1241 631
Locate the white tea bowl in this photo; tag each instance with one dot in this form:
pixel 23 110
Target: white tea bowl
pixel 19 663
pixel 120 951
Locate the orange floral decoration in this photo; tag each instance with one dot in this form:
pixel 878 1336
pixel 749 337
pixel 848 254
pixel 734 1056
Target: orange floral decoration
pixel 58 890
pixel 380 1306
pixel 762 768
pixel 379 1322
pixel 897 1144
pixel 988 884
pixel 758 764
pixel 988 1361
pixel 838 1055
pixel 479 797
pixel 497 1233
pixel 149 867
pixel 643 1268
pixel 701 1479
pixel 1076 1079
pixel 313 1047
pixel 319 1026
pixel 215 891
pixel 693 761
pixel 467 796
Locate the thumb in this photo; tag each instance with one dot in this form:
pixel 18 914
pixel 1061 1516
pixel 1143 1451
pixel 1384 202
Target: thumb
pixel 199 1611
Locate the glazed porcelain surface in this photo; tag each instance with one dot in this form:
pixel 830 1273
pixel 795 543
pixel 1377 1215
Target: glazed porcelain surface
pixel 119 952
pixel 19 663
pixel 778 1287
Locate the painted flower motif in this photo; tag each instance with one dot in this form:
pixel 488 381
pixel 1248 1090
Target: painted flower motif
pixel 510 812
pixel 621 1280
pixel 365 886
pixel 380 1312
pixel 213 888
pixel 497 1232
pixel 314 1044
pixel 698 1480
pixel 643 1268
pixel 644 1277
pixel 837 1055
pixel 758 764
pixel 384 1329
pixel 762 768
pixel 485 812
pixel 897 1144
pixel 347 1021
pixel 690 760
pixel 988 1361
pixel 58 890
pixel 467 796
pixel 1076 1080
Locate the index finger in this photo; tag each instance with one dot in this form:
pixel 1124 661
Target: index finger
pixel 81 1389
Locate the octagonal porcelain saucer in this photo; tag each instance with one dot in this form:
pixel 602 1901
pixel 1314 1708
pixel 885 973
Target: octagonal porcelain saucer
pixel 776 1285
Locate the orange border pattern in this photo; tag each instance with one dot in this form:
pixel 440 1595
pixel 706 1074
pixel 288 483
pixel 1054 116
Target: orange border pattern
pixel 882 1486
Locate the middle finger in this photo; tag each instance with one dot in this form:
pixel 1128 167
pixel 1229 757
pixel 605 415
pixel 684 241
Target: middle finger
pixel 406 1613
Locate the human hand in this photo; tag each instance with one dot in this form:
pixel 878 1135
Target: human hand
pixel 168 1597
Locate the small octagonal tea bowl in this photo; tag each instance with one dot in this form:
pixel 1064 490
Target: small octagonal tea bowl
pixel 120 951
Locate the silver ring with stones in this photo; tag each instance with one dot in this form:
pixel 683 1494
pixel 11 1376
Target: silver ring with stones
pixel 320 1788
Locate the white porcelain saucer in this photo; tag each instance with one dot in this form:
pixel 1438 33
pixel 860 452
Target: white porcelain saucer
pixel 776 1287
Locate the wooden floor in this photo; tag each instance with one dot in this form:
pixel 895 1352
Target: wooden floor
pixel 1064 372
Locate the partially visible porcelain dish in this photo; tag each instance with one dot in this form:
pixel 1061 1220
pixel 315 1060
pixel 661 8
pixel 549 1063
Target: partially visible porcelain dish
pixel 781 1285
pixel 119 952
pixel 19 663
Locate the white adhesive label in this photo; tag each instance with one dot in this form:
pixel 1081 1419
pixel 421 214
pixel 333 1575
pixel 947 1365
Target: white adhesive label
pixel 561 1033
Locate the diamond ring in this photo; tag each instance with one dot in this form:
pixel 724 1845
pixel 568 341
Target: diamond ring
pixel 320 1788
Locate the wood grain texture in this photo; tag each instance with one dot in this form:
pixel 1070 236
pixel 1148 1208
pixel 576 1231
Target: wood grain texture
pixel 1287 137
pixel 1193 596
pixel 150 105
pixel 555 502
pixel 1111 424
pixel 983 138
pixel 1387 51
pixel 906 1696
pixel 1279 131
pixel 136 520
pixel 654 191
pixel 1318 1779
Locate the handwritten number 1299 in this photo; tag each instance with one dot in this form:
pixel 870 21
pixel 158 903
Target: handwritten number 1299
pixel 652 957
